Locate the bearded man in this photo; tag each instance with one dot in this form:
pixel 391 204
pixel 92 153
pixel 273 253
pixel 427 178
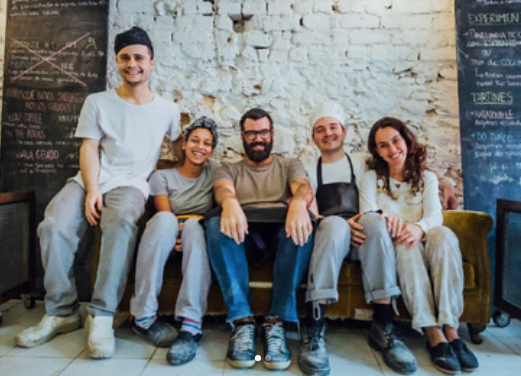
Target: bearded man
pixel 273 190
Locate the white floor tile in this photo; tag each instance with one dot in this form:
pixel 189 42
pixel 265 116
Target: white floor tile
pixel 10 366
pixel 159 367
pixel 422 371
pixel 512 330
pixel 497 371
pixel 7 333
pixel 348 351
pixel 350 348
pixel 68 345
pixel 512 342
pixel 493 352
pixel 130 345
pixel 259 369
pixel 112 367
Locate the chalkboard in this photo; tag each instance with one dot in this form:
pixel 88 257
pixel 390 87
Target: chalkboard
pixel 55 55
pixel 489 75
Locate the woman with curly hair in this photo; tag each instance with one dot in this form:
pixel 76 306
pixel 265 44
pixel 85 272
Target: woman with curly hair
pixel 428 257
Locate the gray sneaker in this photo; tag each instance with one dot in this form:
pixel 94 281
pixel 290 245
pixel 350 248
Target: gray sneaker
pixel 312 357
pixel 276 352
pixel 184 348
pixel 396 355
pixel 241 348
pixel 160 333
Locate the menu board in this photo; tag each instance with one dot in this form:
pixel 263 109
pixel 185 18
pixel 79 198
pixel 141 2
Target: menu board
pixel 55 55
pixel 489 75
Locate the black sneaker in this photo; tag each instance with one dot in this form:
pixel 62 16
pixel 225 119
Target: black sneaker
pixel 444 358
pixel 312 357
pixel 160 333
pixel 184 348
pixel 241 349
pixel 276 352
pixel 396 355
pixel 466 357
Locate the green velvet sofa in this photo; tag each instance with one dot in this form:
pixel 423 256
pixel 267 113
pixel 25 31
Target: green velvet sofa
pixel 471 228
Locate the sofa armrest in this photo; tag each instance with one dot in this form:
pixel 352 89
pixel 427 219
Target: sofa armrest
pixel 472 228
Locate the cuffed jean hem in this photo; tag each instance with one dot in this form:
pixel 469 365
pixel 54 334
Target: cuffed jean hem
pixel 331 295
pixel 231 320
pixel 382 294
pixel 187 313
pixel 294 319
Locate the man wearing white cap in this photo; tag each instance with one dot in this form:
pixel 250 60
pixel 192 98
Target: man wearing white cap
pixel 334 179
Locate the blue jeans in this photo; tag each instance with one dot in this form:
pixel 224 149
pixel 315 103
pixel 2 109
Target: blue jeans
pixel 228 260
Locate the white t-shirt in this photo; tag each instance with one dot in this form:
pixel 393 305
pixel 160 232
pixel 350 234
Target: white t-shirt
pixel 339 171
pixel 424 208
pixel 130 137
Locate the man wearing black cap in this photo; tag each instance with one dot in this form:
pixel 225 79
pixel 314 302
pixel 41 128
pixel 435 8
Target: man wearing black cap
pixel 122 130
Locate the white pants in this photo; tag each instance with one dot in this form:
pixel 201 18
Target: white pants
pixel 431 279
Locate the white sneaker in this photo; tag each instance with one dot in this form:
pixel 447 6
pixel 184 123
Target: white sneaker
pixel 47 328
pixel 100 341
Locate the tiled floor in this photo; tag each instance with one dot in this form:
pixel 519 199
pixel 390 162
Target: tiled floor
pixel 65 355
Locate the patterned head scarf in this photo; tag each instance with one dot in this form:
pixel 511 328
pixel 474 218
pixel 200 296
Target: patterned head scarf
pixel 204 122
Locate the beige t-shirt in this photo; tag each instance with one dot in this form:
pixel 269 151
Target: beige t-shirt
pixel 263 187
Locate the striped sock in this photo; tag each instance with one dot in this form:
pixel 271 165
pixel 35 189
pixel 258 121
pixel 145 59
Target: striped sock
pixel 145 322
pixel 191 326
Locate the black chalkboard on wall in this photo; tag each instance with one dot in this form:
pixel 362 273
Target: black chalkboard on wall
pixel 55 55
pixel 489 75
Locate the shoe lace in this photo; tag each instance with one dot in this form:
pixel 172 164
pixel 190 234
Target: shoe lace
pixel 314 337
pixel 392 338
pixel 275 337
pixel 243 337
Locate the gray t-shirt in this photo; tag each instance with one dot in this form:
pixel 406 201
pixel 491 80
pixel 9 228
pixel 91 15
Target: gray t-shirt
pixel 186 195
pixel 266 186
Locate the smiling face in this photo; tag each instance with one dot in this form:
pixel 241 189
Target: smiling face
pixel 135 64
pixel 329 135
pixel 257 139
pixel 198 147
pixel 391 146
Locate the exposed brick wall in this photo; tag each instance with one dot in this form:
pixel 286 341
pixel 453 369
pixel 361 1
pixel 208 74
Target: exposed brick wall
pixel 378 57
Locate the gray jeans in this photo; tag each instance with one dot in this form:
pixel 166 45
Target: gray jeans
pixel 60 232
pixel 156 245
pixel 332 246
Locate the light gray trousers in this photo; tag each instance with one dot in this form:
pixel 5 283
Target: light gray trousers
pixel 156 244
pixel 332 246
pixel 60 232
pixel 439 257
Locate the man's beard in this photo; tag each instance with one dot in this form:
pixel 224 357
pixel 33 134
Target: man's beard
pixel 258 155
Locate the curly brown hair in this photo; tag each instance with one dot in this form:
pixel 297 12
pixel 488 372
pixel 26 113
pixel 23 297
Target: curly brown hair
pixel 415 162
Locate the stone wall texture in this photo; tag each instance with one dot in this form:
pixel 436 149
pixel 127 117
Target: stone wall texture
pixel 377 58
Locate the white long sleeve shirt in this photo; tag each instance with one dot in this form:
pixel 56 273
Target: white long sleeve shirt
pixel 423 208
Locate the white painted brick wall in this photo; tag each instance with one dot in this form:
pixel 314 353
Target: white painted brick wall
pixel 254 7
pixel 412 6
pixel 376 57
